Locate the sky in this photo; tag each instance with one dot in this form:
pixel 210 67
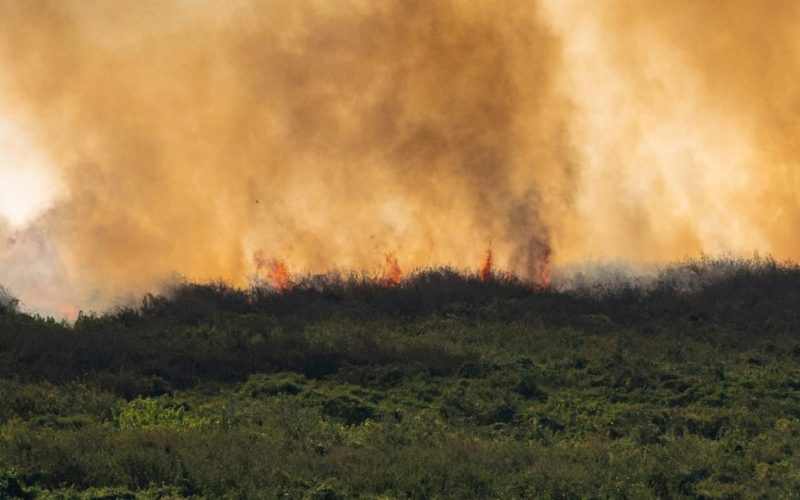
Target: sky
pixel 140 141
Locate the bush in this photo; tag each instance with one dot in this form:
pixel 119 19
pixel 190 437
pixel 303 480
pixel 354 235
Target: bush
pixel 11 486
pixel 444 387
pixel 156 412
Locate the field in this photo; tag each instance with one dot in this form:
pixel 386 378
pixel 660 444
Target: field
pixel 445 386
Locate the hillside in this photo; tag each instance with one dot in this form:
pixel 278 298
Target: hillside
pixel 444 386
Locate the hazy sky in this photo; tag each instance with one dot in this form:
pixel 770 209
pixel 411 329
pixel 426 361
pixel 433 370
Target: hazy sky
pixel 142 140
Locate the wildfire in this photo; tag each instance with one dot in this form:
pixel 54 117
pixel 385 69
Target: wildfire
pixel 485 272
pixel 69 312
pixel 391 275
pixel 542 277
pixel 538 274
pixel 273 271
pixel 545 281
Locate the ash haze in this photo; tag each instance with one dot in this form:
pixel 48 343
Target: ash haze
pixel 186 137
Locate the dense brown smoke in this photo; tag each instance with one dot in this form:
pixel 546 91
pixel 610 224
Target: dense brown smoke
pixel 686 118
pixel 191 135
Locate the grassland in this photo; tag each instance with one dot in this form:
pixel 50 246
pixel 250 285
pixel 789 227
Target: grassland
pixel 442 387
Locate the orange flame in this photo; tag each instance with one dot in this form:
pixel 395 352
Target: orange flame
pixel 69 312
pixel 545 281
pixel 279 276
pixel 273 271
pixel 391 275
pixel 485 272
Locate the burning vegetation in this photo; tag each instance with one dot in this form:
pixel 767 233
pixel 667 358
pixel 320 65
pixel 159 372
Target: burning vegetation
pixel 519 390
pixel 485 119
pixel 391 274
pixel 485 272
pixel 273 272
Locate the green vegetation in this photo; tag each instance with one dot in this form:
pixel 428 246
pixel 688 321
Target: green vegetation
pixel 443 387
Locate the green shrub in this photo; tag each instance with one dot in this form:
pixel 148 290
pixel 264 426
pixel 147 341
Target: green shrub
pixel 156 412
pixel 263 385
pixel 11 486
pixel 528 389
pixel 443 387
pixel 349 409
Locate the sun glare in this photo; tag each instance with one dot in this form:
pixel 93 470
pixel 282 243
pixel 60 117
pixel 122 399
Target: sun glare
pixel 27 186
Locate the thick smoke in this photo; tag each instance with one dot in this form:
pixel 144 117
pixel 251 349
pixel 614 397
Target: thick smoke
pixel 686 118
pixel 323 133
pixel 328 134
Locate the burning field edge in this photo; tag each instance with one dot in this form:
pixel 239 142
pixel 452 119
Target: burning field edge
pixel 439 384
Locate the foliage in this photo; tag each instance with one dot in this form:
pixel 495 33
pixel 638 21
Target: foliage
pixel 446 386
pixel 8 304
pixel 10 486
pixel 145 413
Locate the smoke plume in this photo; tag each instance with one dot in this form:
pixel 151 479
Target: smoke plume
pixel 685 118
pixel 191 136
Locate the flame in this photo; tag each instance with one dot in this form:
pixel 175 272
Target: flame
pixel 545 280
pixel 69 312
pixel 279 276
pixel 485 272
pixel 647 136
pixel 273 272
pixel 391 275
